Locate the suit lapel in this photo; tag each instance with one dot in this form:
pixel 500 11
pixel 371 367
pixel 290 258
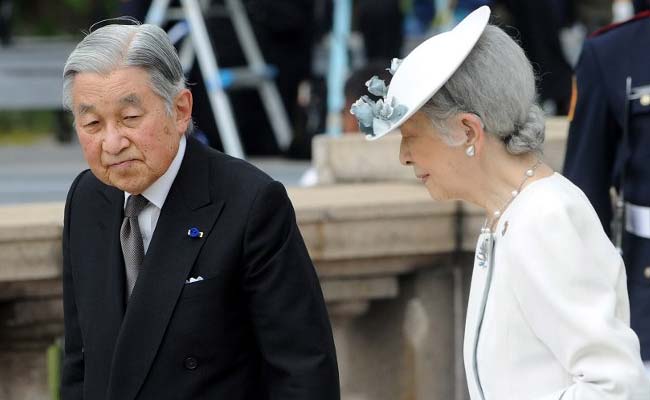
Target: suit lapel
pixel 116 278
pixel 166 266
pixel 109 277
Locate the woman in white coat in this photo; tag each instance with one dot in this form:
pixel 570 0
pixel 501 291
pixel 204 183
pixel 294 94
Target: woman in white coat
pixel 548 314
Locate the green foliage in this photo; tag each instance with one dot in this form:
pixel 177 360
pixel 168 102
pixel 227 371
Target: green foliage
pixel 54 359
pixel 46 17
pixel 34 121
pixel 25 127
pixel 77 5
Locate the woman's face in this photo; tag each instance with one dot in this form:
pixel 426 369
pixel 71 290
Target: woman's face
pixel 435 163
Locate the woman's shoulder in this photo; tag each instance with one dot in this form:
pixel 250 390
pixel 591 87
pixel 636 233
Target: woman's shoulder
pixel 555 218
pixel 547 208
pixel 549 198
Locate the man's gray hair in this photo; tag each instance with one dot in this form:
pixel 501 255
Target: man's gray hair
pixel 116 46
pixel 496 82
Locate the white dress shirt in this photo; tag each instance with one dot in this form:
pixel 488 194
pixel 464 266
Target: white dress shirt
pixel 157 194
pixel 555 320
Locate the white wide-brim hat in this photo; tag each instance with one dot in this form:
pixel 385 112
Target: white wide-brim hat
pixel 419 76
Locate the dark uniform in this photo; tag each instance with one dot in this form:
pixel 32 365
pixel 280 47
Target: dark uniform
pixel 595 155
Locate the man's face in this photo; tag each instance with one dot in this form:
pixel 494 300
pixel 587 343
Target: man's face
pixel 127 136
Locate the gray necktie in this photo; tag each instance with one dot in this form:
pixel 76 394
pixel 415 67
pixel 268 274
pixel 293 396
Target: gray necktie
pixel 131 239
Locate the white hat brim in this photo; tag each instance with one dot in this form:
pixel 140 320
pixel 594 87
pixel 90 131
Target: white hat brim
pixel 428 67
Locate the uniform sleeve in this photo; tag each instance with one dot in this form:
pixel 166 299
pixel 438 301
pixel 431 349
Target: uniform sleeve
pixel 286 303
pixel 593 135
pixel 570 285
pixel 72 374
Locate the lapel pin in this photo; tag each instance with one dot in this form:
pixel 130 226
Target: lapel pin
pixel 194 233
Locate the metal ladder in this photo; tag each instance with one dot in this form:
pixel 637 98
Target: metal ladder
pixel 217 80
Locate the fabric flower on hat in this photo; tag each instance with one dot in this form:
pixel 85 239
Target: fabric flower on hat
pixel 377 86
pixel 380 115
pixel 363 110
pixel 384 110
pixel 394 65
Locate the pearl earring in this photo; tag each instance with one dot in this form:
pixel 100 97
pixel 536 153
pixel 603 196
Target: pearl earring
pixel 470 151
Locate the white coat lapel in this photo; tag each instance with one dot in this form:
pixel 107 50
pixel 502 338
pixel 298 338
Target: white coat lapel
pixel 480 287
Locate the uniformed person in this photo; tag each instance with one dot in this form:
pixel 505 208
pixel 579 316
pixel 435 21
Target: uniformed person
pixel 596 156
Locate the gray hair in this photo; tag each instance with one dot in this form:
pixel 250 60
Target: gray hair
pixel 115 46
pixel 496 82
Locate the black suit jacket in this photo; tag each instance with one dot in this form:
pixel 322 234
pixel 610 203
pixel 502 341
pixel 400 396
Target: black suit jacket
pixel 254 328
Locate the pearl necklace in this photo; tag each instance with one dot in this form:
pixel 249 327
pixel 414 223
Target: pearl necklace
pixel 495 216
pixel 486 238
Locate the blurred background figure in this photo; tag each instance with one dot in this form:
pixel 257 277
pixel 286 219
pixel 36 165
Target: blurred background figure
pixel 6 9
pixel 419 16
pixel 284 30
pixel 597 157
pixel 594 14
pixel 380 24
pixel 536 25
pixel 641 5
pixel 133 8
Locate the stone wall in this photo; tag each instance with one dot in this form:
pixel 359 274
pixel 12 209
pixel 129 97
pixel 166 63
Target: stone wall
pixel 384 253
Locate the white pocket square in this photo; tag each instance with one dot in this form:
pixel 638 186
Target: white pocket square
pixel 193 280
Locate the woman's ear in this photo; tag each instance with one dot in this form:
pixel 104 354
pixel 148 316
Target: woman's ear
pixel 474 131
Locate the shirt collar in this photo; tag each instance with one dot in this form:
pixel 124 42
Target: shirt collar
pixel 157 192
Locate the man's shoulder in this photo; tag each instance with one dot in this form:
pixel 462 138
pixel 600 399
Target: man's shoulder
pixel 86 179
pixel 621 30
pixel 227 169
pixel 86 182
pixel 625 42
pixel 86 188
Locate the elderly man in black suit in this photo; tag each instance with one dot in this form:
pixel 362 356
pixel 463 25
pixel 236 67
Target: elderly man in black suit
pixel 185 275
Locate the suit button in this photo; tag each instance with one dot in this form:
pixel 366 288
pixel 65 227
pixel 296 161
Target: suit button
pixel 191 363
pixel 646 272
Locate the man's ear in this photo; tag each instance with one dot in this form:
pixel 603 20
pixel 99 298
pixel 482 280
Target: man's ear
pixel 474 130
pixel 183 107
